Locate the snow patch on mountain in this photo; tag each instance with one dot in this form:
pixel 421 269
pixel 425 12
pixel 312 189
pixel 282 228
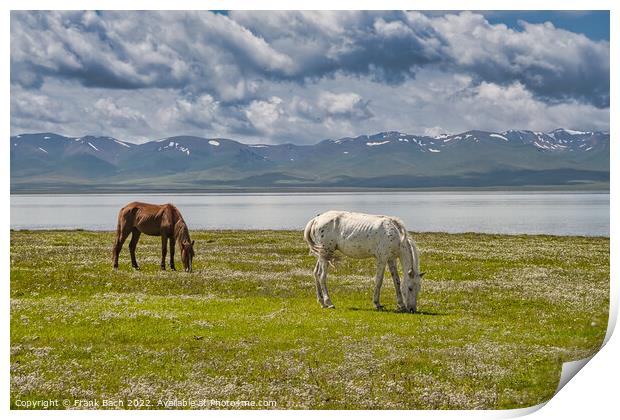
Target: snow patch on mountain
pixel 214 143
pixel 121 143
pixel 43 150
pixel 376 143
pixel 91 145
pixel 498 136
pixel 574 132
pixel 175 146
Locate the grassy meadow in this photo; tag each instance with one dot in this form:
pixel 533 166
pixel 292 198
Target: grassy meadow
pixel 498 315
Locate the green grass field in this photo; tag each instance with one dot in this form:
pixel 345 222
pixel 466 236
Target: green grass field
pixel 498 316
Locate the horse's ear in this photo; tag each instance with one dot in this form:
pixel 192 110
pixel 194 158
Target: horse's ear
pixel 411 273
pixel 422 274
pixel 192 243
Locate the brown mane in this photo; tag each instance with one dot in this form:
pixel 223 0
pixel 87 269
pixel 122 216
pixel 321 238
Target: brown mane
pixel 181 232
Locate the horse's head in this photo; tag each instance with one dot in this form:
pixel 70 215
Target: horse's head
pixel 410 289
pixel 187 255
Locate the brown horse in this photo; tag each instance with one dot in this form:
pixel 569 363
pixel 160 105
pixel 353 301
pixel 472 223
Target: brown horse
pixel 156 220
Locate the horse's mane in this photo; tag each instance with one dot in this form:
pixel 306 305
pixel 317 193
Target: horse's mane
pixel 415 254
pixel 181 232
pixel 408 242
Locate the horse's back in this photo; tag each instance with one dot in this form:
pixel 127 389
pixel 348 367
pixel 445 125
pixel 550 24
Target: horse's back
pixel 150 219
pixel 357 235
pixel 352 222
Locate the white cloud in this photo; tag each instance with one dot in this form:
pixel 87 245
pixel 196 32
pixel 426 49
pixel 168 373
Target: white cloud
pixel 347 105
pixel 553 63
pixel 200 112
pixel 116 114
pixel 298 76
pixel 264 114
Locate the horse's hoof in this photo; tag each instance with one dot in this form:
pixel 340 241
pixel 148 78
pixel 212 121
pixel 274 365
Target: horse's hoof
pixel 401 309
pixel 173 269
pixel 136 267
pixel 330 306
pixel 379 307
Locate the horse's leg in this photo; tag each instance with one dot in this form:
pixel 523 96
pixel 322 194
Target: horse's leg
pixel 135 236
pixel 323 265
pixel 394 273
pixel 121 235
pixel 378 283
pixel 317 271
pixel 172 253
pixel 164 249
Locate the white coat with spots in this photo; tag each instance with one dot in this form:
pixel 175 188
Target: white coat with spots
pixel 361 235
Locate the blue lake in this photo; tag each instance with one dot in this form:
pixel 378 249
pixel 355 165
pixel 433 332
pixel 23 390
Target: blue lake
pixel 555 213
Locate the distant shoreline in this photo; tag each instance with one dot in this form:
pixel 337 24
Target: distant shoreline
pixel 289 230
pixel 596 189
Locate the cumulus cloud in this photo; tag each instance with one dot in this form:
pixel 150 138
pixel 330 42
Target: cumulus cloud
pixel 344 105
pixel 117 115
pixel 198 112
pixel 554 64
pixel 33 106
pixel 358 43
pixel 264 114
pixel 226 56
pixel 514 106
pixel 274 76
pixel 118 50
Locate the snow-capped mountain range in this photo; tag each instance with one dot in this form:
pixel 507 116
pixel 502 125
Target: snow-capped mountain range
pixel 47 161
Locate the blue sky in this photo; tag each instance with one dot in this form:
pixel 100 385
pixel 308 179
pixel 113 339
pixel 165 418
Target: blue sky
pixel 593 24
pixel 301 77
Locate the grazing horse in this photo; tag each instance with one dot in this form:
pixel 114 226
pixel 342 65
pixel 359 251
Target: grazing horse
pixel 156 220
pixel 361 235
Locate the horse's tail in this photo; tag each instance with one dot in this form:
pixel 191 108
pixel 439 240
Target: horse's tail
pixel 318 250
pixel 315 249
pixel 118 232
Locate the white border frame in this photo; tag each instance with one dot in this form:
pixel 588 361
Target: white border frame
pixel 593 392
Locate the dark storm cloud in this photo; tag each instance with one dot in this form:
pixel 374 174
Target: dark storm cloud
pixel 382 45
pixel 554 64
pixel 228 56
pixel 190 51
pixel 278 76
